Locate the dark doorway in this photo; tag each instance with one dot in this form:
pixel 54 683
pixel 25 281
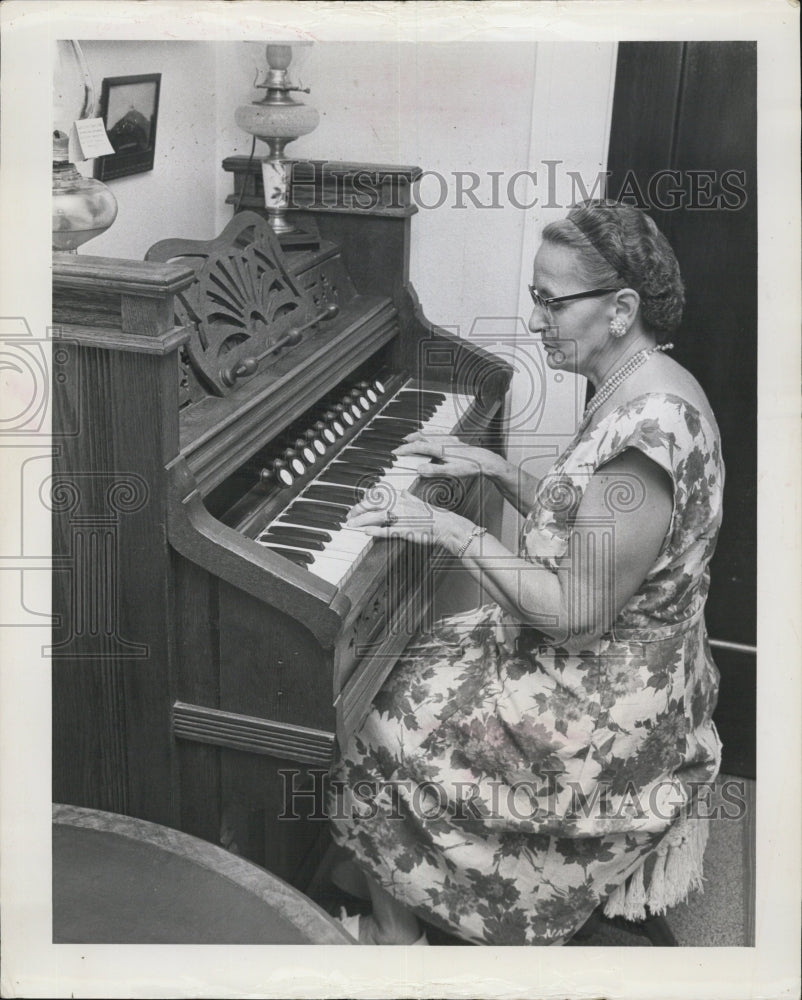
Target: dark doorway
pixel 683 145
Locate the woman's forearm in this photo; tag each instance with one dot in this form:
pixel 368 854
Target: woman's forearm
pixel 530 593
pixel 514 484
pixel 597 575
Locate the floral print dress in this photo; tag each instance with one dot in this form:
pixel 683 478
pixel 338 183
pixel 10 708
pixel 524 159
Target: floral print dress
pixel 501 786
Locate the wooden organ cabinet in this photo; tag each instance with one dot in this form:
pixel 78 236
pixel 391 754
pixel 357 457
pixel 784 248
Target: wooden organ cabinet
pixel 206 398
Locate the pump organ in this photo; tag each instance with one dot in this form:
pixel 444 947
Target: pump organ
pixel 219 407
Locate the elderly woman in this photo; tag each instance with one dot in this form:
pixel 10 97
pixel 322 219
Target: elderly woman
pixel 541 754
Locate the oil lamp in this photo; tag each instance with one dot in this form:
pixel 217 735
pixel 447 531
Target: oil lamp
pixel 82 206
pixel 277 119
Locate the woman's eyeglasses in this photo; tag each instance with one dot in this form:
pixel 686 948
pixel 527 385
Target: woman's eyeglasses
pixel 547 301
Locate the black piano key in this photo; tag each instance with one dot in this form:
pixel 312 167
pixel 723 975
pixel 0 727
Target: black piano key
pixel 347 477
pixel 382 425
pixel 371 446
pixel 314 520
pixel 396 422
pixel 352 463
pixel 414 399
pixel 380 441
pixel 301 535
pixel 430 395
pixel 319 519
pixel 294 555
pixel 366 452
pixel 361 458
pixel 353 467
pixel 350 495
pixel 409 410
pixel 381 437
pixel 326 507
pixel 280 539
pixel 388 415
pixel 356 451
pixel 386 458
pixel 328 525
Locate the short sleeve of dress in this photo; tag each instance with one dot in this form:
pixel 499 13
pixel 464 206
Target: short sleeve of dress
pixel 674 434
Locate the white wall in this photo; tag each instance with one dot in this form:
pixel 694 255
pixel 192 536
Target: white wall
pixel 177 197
pixel 571 114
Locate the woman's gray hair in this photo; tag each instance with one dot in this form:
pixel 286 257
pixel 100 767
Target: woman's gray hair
pixel 619 245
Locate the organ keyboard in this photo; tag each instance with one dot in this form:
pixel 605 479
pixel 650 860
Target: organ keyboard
pixel 310 531
pixel 223 405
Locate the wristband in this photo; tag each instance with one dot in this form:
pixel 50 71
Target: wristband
pixel 476 532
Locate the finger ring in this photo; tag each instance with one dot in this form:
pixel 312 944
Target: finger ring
pixel 391 519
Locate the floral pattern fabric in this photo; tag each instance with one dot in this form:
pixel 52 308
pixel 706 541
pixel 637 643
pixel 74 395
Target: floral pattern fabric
pixel 501 786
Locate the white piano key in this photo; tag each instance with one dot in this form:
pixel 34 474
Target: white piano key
pixel 336 565
pixel 400 479
pixel 329 564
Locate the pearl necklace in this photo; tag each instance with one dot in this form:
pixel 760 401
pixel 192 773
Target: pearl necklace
pixel 621 374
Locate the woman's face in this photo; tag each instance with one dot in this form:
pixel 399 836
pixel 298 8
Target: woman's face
pixel 575 334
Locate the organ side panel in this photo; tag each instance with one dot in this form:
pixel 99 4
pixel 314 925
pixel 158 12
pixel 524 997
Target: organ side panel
pixel 116 425
pixel 271 670
pixel 196 621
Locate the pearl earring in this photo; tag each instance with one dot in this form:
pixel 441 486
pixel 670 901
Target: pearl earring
pixel 618 327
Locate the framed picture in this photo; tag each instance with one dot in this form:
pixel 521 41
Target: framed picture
pixel 129 106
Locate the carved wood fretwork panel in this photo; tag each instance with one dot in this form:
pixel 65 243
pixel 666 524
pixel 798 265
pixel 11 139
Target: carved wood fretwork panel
pixel 243 300
pixel 328 283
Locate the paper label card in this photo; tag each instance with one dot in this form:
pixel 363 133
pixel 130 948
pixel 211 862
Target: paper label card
pixel 92 138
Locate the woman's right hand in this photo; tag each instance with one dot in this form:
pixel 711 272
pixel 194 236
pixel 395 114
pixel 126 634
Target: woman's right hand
pixel 445 455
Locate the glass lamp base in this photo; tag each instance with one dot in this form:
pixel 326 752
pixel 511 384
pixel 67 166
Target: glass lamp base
pixel 83 207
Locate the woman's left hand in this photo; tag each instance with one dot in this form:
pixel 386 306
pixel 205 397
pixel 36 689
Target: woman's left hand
pixel 404 516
